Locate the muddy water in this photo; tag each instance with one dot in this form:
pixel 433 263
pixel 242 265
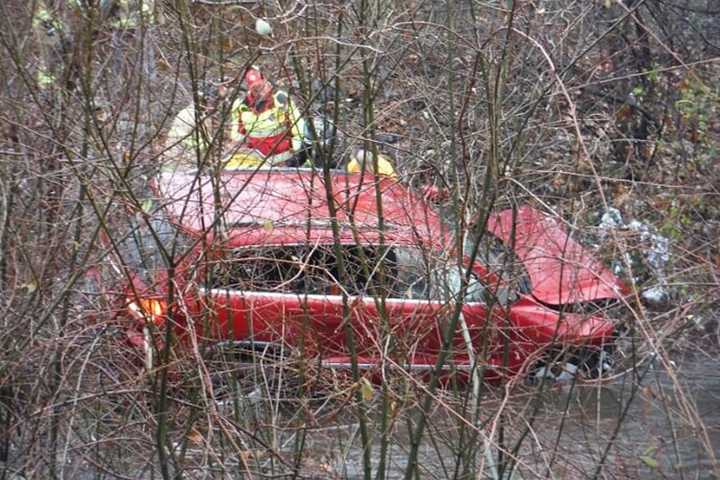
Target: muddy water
pixel 653 432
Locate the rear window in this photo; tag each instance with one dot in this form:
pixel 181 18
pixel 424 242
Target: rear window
pixel 394 272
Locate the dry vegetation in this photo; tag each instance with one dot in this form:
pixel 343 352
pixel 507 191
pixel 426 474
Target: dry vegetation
pixel 573 106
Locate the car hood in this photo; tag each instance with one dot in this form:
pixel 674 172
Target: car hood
pixel 561 271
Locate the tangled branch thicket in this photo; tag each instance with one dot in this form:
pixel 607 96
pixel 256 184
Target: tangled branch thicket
pixel 575 107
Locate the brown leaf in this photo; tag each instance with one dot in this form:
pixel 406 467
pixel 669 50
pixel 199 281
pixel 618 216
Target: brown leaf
pixel 195 437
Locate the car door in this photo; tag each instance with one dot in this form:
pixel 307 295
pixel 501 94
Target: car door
pixel 406 310
pixel 272 295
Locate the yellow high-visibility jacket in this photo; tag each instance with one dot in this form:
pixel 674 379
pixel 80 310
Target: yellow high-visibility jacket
pixel 278 129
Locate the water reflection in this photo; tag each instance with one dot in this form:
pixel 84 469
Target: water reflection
pixel 650 427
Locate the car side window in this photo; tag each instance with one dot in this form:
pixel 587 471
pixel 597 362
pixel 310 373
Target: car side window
pixel 287 269
pixel 389 271
pixel 447 285
pixel 308 269
pixel 263 269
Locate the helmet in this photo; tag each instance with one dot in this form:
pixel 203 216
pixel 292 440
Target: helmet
pixel 260 95
pixel 363 159
pixel 252 76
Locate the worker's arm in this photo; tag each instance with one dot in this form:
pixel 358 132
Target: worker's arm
pixel 297 121
pixel 294 118
pixel 236 128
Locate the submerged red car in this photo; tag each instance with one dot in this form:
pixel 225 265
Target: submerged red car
pixel 352 270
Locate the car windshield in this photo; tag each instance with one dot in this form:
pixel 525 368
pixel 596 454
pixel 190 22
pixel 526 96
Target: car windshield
pixel 139 244
pixel 391 271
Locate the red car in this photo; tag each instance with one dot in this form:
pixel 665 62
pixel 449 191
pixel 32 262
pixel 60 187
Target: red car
pixel 265 260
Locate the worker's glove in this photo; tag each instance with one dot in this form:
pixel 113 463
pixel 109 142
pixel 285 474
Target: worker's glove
pixel 297 144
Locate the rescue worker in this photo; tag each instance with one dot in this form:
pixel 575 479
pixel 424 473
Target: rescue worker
pixel 363 159
pixel 266 121
pixel 191 131
pixel 54 35
pixel 49 32
pixel 128 14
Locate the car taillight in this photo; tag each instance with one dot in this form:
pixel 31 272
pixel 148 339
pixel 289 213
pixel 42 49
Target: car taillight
pixel 148 310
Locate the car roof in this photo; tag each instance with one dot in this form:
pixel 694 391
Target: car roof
pixel 290 206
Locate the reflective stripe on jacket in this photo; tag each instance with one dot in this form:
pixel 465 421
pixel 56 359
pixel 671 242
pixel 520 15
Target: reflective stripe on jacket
pixel 272 131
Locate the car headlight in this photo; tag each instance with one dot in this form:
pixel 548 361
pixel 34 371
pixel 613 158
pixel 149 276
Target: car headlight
pixel 149 310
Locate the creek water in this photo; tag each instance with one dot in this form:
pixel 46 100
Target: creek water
pixel 664 426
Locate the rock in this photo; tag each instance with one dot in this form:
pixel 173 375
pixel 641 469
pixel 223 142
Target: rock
pixel 656 298
pixel 387 137
pixel 658 255
pixel 610 220
pixel 263 28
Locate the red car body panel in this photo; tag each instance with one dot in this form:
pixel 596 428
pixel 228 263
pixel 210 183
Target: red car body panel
pixel 289 208
pixel 545 326
pixel 277 207
pixel 561 270
pixel 256 314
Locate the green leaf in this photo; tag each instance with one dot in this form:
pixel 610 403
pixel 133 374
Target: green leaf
pixel 147 205
pixel 653 75
pixel 366 389
pixel 649 461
